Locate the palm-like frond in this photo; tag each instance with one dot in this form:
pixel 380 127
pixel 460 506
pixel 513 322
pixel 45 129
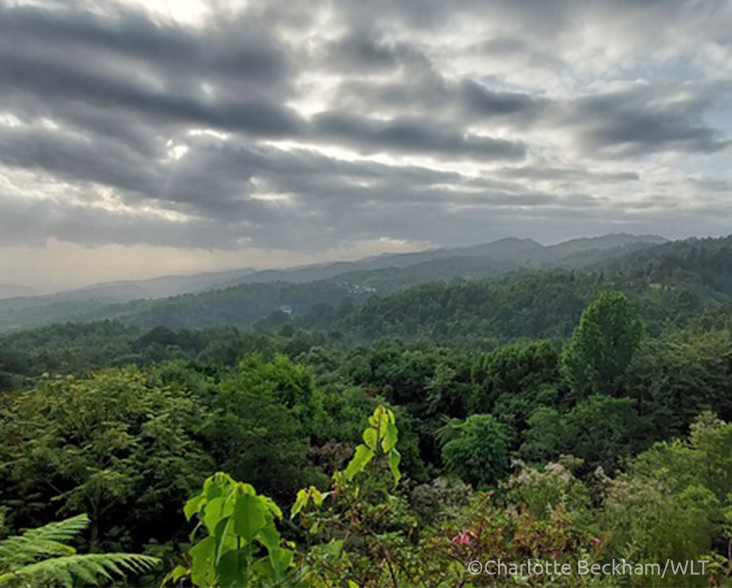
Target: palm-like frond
pixel 449 430
pixel 40 557
pixel 45 541
pixel 90 569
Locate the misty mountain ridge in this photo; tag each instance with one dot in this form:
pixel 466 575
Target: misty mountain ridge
pixel 510 249
pixel 15 291
pixel 262 292
pixel 513 249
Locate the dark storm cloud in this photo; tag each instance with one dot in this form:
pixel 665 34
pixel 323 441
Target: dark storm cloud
pixel 411 136
pixel 461 103
pixel 484 102
pixel 103 97
pixel 242 50
pixel 364 51
pixel 643 119
pixel 538 172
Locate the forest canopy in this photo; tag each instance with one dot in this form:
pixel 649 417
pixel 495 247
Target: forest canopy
pixel 564 416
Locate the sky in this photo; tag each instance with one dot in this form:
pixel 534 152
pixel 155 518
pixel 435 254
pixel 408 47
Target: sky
pixel 205 135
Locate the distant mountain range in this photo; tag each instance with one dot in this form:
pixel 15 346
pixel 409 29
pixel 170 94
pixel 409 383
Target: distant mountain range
pixel 13 291
pixel 261 292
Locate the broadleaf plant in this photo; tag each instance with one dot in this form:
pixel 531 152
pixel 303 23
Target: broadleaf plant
pixel 241 545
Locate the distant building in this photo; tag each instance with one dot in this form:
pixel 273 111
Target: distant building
pixel 286 309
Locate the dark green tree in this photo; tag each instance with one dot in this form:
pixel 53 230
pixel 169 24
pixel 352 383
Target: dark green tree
pixel 600 430
pixel 479 452
pixel 602 347
pixel 100 445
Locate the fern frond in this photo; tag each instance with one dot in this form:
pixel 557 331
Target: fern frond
pixel 449 430
pixel 42 542
pixel 90 569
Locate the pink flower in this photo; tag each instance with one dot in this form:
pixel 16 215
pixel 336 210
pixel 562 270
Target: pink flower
pixel 461 539
pixel 500 530
pixel 554 555
pixel 595 541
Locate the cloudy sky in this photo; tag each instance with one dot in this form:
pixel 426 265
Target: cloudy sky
pixel 208 135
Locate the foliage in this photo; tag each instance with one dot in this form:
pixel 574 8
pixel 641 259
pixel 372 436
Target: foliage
pixel 542 491
pixel 41 557
pixel 513 380
pixel 600 431
pixel 611 456
pixel 600 351
pixel 258 424
pixel 479 454
pixel 241 544
pixel 101 445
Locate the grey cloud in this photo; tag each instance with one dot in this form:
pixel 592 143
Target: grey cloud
pixel 241 49
pixel 123 87
pixel 34 222
pixel 411 135
pixel 462 103
pixel 482 101
pixel 72 158
pixel 65 82
pixel 644 119
pixel 540 172
pixel 364 51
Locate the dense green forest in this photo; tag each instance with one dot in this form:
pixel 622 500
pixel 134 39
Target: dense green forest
pixel 568 415
pixel 245 299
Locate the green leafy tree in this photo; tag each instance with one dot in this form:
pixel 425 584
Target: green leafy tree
pixel 254 434
pixel 675 502
pixel 602 347
pixel 601 431
pixel 513 380
pixel 479 453
pixel 291 384
pixel 102 445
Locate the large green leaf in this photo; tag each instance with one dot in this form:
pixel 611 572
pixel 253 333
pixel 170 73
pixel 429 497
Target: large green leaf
pixel 249 516
pixel 359 461
pixel 203 555
pixel 391 435
pixel 281 559
pixel 394 459
pixel 370 438
pixel 193 506
pixel 216 510
pixel 232 569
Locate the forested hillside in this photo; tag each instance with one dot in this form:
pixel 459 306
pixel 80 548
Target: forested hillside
pixel 561 415
pixel 241 298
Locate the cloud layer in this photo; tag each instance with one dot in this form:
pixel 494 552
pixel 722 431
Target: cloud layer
pixel 311 125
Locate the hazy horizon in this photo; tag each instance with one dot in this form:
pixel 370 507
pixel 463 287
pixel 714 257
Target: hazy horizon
pixel 192 137
pixel 41 289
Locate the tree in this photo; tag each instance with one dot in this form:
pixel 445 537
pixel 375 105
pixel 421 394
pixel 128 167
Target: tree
pixel 100 445
pixel 479 454
pixel 601 431
pixel 597 357
pixel 514 379
pixel 259 419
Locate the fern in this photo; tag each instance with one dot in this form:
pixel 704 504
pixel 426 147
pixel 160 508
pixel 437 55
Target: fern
pixel 449 430
pixel 90 569
pixel 46 540
pixel 40 557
